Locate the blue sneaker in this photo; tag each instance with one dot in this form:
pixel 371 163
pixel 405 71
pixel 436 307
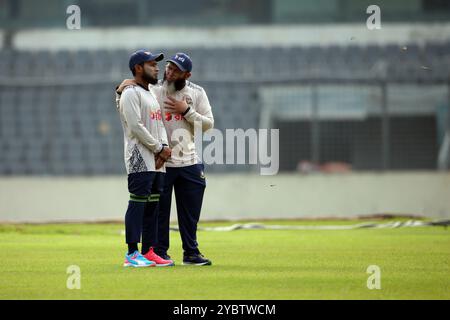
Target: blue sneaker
pixel 137 260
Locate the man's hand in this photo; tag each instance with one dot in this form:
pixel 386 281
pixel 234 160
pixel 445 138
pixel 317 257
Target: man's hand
pixel 175 106
pixel 162 157
pixel 125 83
pixel 165 153
pixel 159 162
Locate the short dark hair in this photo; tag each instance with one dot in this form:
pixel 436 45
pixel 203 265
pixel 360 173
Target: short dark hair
pixel 134 70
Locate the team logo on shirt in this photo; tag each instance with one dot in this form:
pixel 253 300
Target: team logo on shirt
pixel 155 115
pixel 177 117
pixel 188 100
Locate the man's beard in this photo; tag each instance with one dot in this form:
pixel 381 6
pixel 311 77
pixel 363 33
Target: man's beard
pixel 150 79
pixel 176 85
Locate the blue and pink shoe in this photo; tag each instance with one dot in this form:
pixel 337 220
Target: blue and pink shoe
pixel 137 260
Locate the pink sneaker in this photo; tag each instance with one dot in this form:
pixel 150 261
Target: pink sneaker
pixel 160 262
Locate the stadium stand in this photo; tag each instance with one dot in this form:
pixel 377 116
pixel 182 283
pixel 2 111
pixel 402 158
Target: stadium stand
pixel 55 120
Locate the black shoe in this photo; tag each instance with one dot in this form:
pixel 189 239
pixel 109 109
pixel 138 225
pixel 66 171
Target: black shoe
pixel 163 255
pixel 196 259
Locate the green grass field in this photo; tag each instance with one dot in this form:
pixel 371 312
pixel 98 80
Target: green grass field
pixel 247 264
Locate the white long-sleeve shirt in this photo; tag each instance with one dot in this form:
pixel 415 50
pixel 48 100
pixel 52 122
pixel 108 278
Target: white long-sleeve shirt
pixel 183 149
pixel 144 132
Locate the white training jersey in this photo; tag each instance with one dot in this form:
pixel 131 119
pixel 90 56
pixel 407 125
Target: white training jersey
pixel 183 149
pixel 144 132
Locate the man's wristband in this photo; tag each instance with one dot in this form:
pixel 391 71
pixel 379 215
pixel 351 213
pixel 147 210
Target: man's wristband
pixel 185 112
pixel 162 148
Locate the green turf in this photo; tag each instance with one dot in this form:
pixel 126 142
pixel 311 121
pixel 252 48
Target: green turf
pixel 247 264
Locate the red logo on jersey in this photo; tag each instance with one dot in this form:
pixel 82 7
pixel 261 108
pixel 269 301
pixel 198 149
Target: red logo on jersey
pixel 156 115
pixel 176 117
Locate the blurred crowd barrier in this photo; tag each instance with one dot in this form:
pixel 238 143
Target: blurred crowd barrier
pixel 236 197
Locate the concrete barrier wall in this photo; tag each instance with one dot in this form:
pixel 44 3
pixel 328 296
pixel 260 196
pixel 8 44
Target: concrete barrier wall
pixel 235 196
pixel 248 36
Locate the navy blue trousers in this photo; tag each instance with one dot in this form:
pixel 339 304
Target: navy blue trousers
pixel 189 185
pixel 141 218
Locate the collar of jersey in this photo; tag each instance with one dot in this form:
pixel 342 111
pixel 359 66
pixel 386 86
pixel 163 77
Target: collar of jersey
pixel 146 89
